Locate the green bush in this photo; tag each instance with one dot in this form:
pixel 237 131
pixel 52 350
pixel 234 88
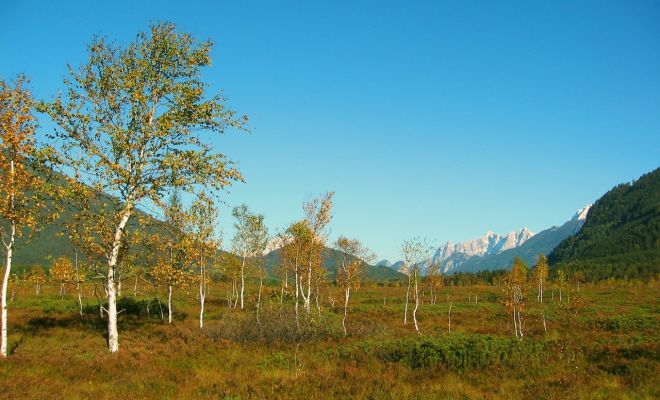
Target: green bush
pixel 456 352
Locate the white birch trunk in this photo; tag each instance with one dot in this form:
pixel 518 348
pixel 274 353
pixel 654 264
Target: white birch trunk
pixel 405 310
pixel 259 298
pixel 346 296
pixel 242 280
pixel 449 318
pixel 5 282
pixel 169 304
pixel 416 303
pixel 113 333
pixel 202 295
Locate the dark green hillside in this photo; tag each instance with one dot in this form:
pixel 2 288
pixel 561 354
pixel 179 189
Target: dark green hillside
pixel 621 236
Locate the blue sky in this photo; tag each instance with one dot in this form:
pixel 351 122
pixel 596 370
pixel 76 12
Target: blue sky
pixel 436 119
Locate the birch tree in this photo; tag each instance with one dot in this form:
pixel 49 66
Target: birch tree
pixel 318 213
pixel 351 257
pixel 202 221
pixel 561 282
pixel 23 187
pixel 515 285
pixel 416 253
pixel 297 238
pixel 62 272
pixel 37 277
pixel 131 120
pixel 541 275
pixel 172 277
pixel 434 279
pixel 249 241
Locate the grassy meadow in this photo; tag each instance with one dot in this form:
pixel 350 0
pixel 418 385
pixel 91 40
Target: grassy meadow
pixel 604 346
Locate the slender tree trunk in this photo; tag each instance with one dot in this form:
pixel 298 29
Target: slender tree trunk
pixel 78 285
pixel 202 293
pixel 259 297
pixel 449 319
pixel 242 280
pixel 169 304
pixel 135 287
pixel 5 282
pixel 113 333
pixel 297 294
pixel 515 323
pixel 405 310
pixel 545 328
pixel 416 303
pixel 347 294
pixel 309 290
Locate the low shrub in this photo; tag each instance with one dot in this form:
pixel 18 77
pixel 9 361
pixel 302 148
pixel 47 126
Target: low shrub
pixel 456 352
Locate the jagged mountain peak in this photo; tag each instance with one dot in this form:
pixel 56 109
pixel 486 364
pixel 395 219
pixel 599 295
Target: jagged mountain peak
pixel 451 255
pixel 581 214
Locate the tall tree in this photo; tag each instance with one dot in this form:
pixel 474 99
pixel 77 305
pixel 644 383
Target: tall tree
pixel 23 187
pixel 416 253
pixel 250 239
pixel 130 121
pixel 351 255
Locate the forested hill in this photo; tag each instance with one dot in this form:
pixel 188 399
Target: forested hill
pixel 621 235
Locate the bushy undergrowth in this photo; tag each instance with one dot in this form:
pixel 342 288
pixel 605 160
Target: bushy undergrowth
pixel 455 352
pixel 630 322
pixel 277 325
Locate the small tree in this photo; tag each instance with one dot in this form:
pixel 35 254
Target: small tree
pixel 351 256
pixel 318 213
pixel 36 277
pixel 515 285
pixel 201 230
pixel 63 273
pixel 297 238
pixel 250 239
pixel 171 276
pixel 434 279
pixel 561 282
pixel 541 275
pixel 129 120
pixel 416 253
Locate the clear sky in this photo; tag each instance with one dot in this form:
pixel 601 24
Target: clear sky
pixel 436 119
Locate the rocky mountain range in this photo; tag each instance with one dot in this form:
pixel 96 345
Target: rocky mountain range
pixel 496 251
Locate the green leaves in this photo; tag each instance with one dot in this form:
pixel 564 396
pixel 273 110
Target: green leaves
pixel 132 118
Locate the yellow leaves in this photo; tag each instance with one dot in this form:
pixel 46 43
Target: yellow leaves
pixel 21 189
pixel 62 271
pixel 170 275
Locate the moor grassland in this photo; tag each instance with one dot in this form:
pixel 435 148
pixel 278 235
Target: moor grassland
pixel 606 345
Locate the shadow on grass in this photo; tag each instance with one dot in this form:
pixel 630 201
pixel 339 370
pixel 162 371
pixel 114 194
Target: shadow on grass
pixel 132 314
